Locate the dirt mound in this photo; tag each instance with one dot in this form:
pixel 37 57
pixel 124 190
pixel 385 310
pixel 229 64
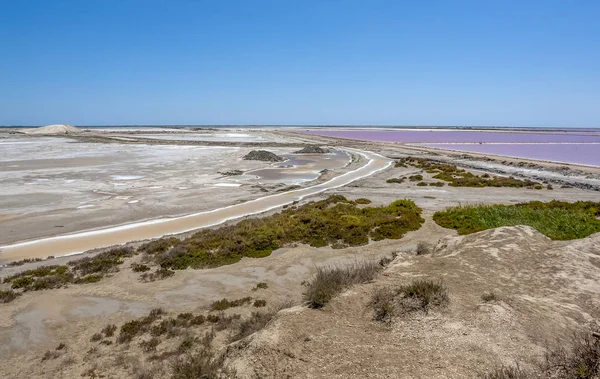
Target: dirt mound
pixel 312 149
pixel 56 129
pixel 512 291
pixel 263 155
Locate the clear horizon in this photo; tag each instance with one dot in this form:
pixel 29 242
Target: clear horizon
pixel 270 63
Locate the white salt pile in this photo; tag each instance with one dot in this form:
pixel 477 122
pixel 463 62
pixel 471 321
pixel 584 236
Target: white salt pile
pixel 56 129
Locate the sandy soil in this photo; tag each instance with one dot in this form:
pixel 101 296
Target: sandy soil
pixel 545 289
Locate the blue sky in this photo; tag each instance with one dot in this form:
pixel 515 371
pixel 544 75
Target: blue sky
pixel 104 62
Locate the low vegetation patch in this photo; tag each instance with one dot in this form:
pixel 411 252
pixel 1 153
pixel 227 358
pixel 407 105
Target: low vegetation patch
pixel 507 372
pixel 8 296
pixel 79 271
pixel 580 360
pixel 330 281
pixel 260 286
pixel 461 178
pixel 420 295
pixel 556 219
pixel 489 297
pixel 158 274
pixel 223 304
pixel 395 180
pixel 423 249
pixel 334 221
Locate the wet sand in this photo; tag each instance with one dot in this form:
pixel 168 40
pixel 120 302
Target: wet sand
pixel 80 242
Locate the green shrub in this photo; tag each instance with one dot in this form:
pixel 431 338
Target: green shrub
pixel 96 337
pixel 23 282
pixel 93 278
pixel 259 303
pixel 333 221
pixel 422 184
pixel 362 200
pixel 556 219
pixel 415 178
pixel 8 296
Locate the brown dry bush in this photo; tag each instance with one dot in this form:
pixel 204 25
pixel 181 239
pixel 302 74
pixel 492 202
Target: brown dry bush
pixel 582 360
pixel 260 286
pixel 423 248
pixel 109 330
pixel 488 297
pixel 420 295
pixel 330 281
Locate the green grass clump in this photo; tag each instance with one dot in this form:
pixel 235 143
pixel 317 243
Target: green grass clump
pixel 80 271
pixel 422 184
pixel 334 221
pixel 415 178
pixel 363 201
pixel 557 220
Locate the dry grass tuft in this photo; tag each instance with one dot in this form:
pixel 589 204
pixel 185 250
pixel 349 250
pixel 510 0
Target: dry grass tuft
pixel 488 297
pixel 423 248
pixel 330 281
pixel 582 360
pixel 420 295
